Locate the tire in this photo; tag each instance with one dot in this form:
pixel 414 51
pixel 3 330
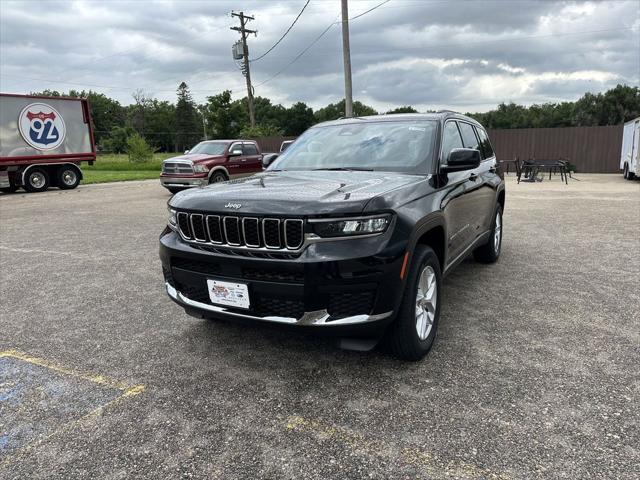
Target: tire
pixel 36 180
pixel 490 251
pixel 217 177
pixel 174 190
pixel 631 175
pixel 402 338
pixel 625 172
pixel 67 177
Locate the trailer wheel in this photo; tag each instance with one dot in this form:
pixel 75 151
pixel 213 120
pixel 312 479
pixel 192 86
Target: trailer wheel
pixel 36 180
pixel 68 177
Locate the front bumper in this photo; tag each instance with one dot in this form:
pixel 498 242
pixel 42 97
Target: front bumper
pixel 184 181
pixel 350 288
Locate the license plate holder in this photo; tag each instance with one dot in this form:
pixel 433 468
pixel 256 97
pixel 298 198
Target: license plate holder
pixel 229 294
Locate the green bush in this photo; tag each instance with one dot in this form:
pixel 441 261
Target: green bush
pixel 266 130
pixel 138 149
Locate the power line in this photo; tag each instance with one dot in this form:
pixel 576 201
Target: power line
pixel 284 35
pixel 299 55
pixel 316 40
pixel 370 10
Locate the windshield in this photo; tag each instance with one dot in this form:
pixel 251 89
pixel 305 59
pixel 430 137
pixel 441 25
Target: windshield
pixel 397 146
pixel 210 148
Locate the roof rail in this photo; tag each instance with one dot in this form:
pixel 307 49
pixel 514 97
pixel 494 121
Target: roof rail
pixel 448 111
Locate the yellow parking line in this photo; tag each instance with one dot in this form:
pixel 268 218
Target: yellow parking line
pixel 426 462
pixel 127 391
pixel 99 379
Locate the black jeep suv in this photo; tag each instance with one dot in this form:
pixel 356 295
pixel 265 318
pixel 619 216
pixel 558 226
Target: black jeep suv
pixel 349 231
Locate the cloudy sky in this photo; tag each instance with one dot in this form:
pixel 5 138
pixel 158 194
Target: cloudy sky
pixel 463 55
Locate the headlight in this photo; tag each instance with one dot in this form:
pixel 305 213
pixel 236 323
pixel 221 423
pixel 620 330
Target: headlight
pixel 200 168
pixel 351 226
pixel 173 219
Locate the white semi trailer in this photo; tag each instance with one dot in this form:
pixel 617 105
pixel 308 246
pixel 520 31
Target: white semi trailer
pixel 43 141
pixel 630 156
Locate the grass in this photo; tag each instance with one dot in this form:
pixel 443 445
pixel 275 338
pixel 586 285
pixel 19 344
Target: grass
pixel 118 168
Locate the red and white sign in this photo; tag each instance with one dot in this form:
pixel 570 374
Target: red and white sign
pixel 41 126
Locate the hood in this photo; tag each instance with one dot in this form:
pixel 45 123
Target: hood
pixel 193 157
pixel 294 193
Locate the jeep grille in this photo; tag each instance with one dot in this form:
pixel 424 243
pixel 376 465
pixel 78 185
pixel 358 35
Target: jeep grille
pixel 246 232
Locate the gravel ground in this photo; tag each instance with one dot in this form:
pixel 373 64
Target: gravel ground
pixel 534 373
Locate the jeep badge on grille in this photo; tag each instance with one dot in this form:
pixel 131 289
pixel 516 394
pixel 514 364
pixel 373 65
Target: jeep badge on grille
pixel 235 206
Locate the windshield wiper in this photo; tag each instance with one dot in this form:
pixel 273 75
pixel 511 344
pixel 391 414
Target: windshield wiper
pixel 345 169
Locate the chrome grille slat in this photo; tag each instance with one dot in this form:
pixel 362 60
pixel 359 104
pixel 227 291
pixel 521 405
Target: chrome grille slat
pixel 185 225
pixel 231 227
pixel 198 228
pixel 176 167
pixel 251 232
pixel 214 229
pixel 268 232
pixel 293 233
pixel 240 232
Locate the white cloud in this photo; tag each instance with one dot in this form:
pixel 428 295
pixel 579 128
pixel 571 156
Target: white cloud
pixel 463 55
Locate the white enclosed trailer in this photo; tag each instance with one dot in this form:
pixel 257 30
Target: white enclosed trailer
pixel 630 156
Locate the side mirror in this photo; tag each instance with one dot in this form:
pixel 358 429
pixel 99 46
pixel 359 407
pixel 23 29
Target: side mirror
pixel 236 152
pixel 268 159
pixel 461 159
pixel 186 151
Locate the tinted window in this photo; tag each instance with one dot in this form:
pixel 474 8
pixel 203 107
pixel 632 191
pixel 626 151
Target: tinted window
pixel 209 148
pixel 393 146
pixel 487 150
pixel 249 149
pixel 468 136
pixel 450 139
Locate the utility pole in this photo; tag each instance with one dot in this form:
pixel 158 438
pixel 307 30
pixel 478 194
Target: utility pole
pixel 244 19
pixel 346 54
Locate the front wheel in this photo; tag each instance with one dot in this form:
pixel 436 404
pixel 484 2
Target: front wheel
pixel 625 171
pixel 490 251
pixel 37 180
pixel 218 177
pixel 413 332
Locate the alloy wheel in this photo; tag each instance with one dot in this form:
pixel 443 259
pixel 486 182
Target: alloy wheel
pixel 426 302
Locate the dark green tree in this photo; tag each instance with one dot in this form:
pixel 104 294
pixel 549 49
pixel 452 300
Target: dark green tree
pixel 297 119
pixel 188 126
pixel 334 111
pixel 225 118
pixel 404 109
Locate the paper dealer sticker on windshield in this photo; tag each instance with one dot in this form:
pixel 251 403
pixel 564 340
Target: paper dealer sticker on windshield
pixel 41 126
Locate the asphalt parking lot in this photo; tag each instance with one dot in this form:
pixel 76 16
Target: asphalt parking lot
pixel 535 373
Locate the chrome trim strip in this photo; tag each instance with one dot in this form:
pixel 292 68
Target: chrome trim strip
pixel 345 219
pixel 182 234
pixel 221 242
pixel 193 230
pixel 226 236
pixel 264 237
pixel 244 236
pixel 316 318
pixel 286 241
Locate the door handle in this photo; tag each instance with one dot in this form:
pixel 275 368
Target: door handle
pixel 473 177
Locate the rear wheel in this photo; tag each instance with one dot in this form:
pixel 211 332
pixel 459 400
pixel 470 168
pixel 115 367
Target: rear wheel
pixel 68 177
pixel 490 251
pixel 36 180
pixel 625 171
pixel 411 335
pixel 174 190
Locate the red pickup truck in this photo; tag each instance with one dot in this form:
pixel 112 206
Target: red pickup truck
pixel 211 161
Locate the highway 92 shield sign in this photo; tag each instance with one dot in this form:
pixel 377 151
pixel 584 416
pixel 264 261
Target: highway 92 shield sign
pixel 41 126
